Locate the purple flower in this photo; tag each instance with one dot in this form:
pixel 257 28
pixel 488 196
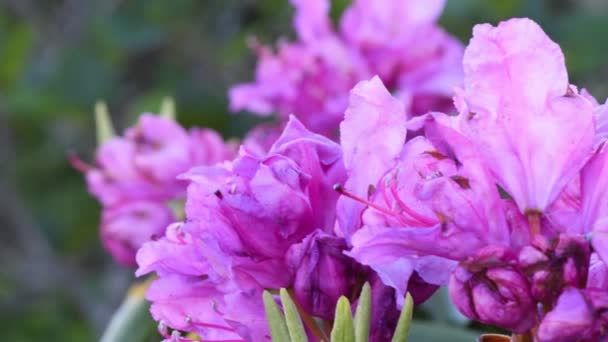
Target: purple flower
pixel 489 288
pixel 372 136
pixel 145 163
pixel 135 178
pixel 125 228
pixel 517 106
pixel 424 204
pixel 385 32
pixel 273 202
pixel 243 217
pixel 563 263
pixel 311 81
pixel 432 206
pixel 580 315
pixel 323 273
pixel 310 78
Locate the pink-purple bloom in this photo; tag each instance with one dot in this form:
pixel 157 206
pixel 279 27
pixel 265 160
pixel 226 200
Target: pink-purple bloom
pixel 398 40
pixel 531 126
pixel 579 315
pixel 262 222
pixel 254 223
pixel 504 201
pixel 500 199
pixel 135 179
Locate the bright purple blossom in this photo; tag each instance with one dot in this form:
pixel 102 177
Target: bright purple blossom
pixel 255 223
pixel 310 78
pixel 242 218
pixel 493 199
pixel 580 315
pixel 517 107
pixel 416 185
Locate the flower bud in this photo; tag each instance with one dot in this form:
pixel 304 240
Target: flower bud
pixel 579 315
pixel 322 273
pixel 562 263
pixel 489 289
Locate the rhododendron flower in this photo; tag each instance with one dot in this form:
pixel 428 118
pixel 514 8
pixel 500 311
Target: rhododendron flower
pixel 242 218
pixel 255 223
pixel 517 107
pixel 493 291
pixel 135 178
pixel 433 204
pixel 580 315
pixel 310 78
pixel 413 184
pixel 124 228
pixel 323 273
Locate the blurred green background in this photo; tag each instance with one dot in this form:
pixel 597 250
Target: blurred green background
pixel 57 57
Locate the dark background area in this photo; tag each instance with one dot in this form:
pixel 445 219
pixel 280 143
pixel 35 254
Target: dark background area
pixel 57 57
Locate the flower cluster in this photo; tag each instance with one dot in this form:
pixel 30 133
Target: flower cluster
pixel 503 202
pixel 260 223
pixel 311 77
pixel 134 179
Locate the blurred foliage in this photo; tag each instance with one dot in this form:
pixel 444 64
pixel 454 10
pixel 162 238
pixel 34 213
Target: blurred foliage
pixel 58 57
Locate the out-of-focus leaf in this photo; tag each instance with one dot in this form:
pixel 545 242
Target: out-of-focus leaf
pixel 14 51
pixel 103 123
pixel 363 314
pixel 442 309
pixel 276 321
pixel 429 331
pixel 405 318
pixel 131 322
pixel 167 108
pixel 292 318
pixel 343 330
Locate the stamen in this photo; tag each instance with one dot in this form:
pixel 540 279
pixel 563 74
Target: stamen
pixel 163 329
pixel 412 213
pixel 340 189
pixel 78 164
pixel 218 194
pixel 176 336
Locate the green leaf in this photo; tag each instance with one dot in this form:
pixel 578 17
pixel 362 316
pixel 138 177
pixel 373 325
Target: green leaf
pixel 167 108
pixel 343 330
pixel 292 318
pixel 405 318
pixel 441 308
pixel 131 322
pixel 276 321
pixel 428 331
pixel 103 123
pixel 363 314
